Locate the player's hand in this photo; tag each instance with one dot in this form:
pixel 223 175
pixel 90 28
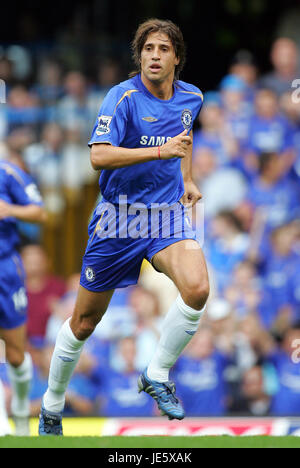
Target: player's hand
pixel 177 147
pixel 5 210
pixel 191 194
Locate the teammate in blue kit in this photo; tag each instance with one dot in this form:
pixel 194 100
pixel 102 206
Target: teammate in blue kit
pixel 19 200
pixel 142 143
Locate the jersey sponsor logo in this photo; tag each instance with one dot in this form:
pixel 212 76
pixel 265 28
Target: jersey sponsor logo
pixel 90 274
pixel 151 140
pixel 103 125
pixel 150 119
pixel 187 119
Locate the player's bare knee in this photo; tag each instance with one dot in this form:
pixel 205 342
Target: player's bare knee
pixel 14 356
pixel 196 296
pixel 83 330
pixel 83 327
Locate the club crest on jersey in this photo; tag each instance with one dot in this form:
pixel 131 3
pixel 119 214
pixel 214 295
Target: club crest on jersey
pixel 90 274
pixel 187 119
pixel 103 125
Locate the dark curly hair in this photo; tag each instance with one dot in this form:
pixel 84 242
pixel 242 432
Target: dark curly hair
pixel 156 25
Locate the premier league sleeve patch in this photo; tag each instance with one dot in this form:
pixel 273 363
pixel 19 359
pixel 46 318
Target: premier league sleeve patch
pixel 103 125
pixel 187 119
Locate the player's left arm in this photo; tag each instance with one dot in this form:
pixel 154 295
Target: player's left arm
pixel 29 213
pixel 26 202
pixel 191 192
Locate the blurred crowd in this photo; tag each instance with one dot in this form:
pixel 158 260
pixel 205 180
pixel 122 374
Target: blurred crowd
pixel 46 125
pixel 245 358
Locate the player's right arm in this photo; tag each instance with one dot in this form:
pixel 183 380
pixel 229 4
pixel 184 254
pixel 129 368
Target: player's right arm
pixel 110 131
pixel 107 156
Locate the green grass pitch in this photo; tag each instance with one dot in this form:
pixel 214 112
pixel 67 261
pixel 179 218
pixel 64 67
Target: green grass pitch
pixel 151 442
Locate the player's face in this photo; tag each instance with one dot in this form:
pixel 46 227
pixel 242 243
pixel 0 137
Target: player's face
pixel 158 59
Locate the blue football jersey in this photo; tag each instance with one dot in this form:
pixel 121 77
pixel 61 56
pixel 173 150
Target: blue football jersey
pixel 131 117
pixel 18 188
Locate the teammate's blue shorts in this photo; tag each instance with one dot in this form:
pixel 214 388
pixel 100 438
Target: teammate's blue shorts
pixel 119 242
pixel 13 299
